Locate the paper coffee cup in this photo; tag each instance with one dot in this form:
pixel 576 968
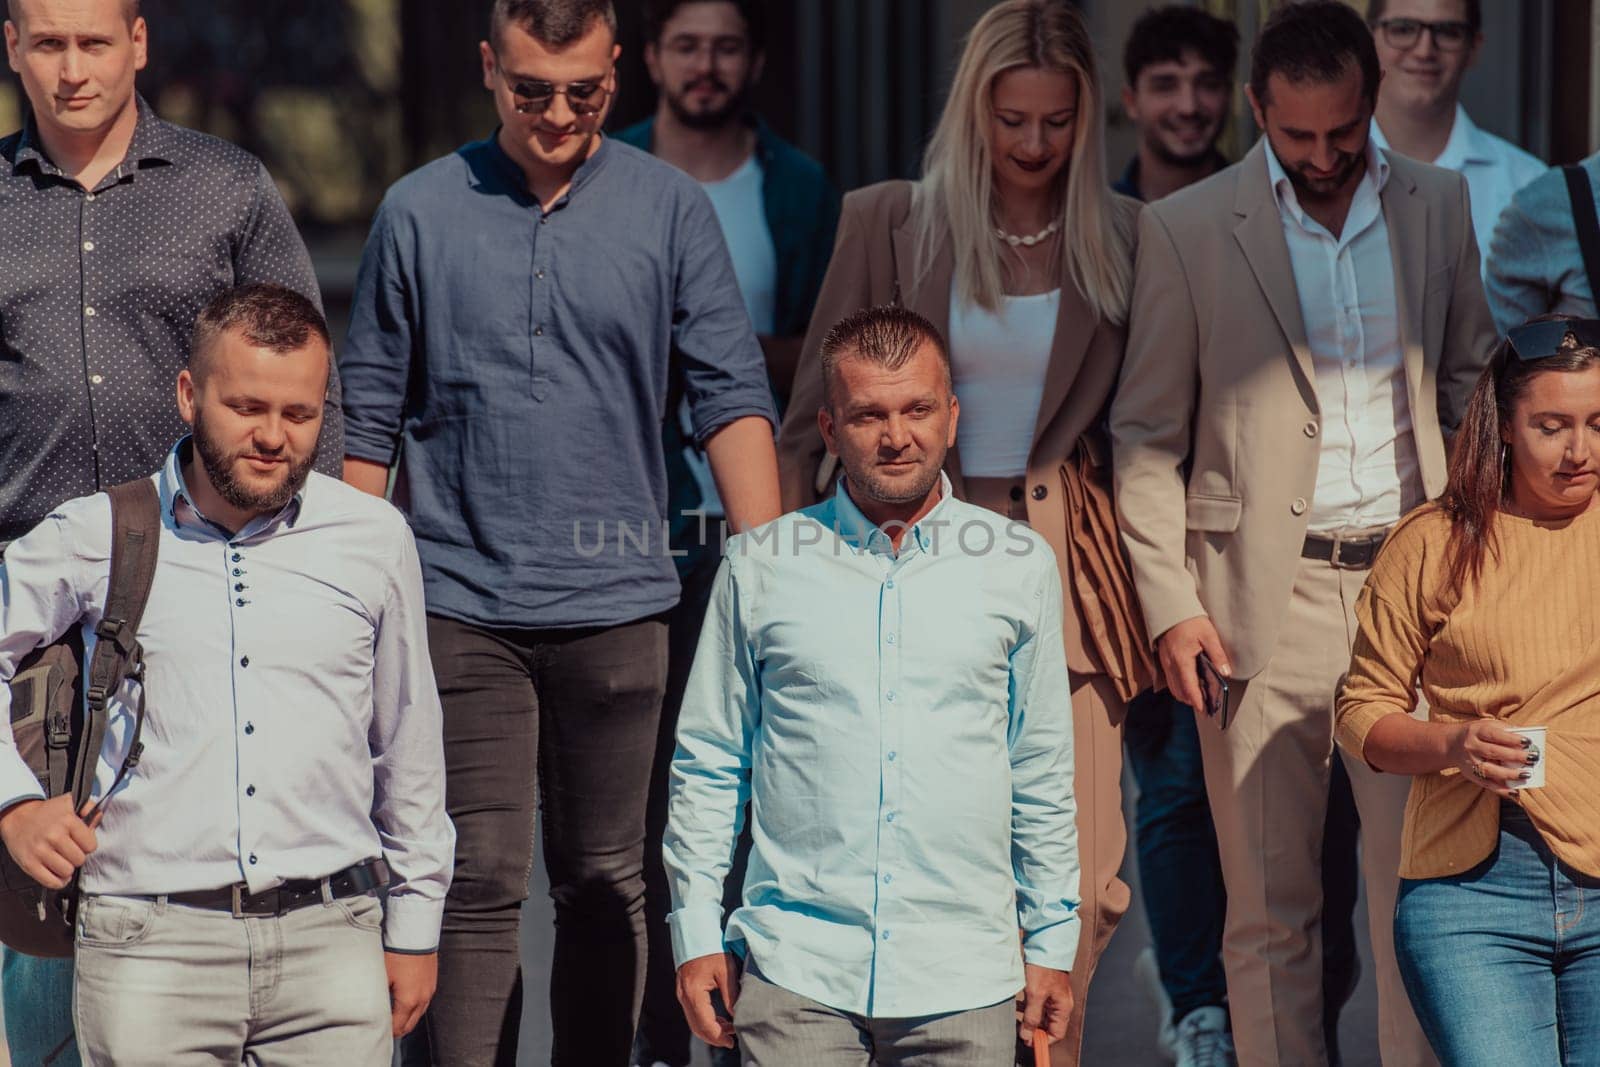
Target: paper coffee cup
pixel 1536 735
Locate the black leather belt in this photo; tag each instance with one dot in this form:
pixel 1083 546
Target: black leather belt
pixel 1347 553
pixel 297 893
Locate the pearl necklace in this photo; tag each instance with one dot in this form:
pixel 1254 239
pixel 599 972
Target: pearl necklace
pixel 1029 240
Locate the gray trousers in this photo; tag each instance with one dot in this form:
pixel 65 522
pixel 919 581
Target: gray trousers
pixel 162 985
pixel 778 1028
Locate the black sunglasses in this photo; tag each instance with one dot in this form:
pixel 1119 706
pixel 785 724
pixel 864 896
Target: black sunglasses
pixel 1541 340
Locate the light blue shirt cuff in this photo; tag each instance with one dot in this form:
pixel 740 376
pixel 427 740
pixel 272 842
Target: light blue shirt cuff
pixel 696 932
pixel 1055 947
pixel 411 924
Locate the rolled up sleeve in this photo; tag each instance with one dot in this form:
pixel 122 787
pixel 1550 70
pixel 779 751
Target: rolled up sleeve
pixel 375 363
pixel 724 372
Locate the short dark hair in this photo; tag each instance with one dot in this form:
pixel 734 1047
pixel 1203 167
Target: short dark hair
pixel 1473 11
pixel 268 316
pixel 657 13
pixel 1314 40
pixel 1164 34
pixel 130 10
pixel 888 335
pixel 556 23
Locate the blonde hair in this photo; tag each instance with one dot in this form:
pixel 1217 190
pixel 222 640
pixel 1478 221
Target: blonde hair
pixel 957 187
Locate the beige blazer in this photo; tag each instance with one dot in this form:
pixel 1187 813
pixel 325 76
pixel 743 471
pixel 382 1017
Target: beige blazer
pixel 876 249
pixel 1216 426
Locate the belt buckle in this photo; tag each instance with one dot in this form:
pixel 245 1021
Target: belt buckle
pixel 1338 561
pixel 238 901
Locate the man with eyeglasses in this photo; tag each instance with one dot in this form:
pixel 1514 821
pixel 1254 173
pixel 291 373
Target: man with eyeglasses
pixel 524 308
pixel 1426 48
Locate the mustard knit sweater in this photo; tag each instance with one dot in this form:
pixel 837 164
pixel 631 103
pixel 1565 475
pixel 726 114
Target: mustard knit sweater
pixel 1521 644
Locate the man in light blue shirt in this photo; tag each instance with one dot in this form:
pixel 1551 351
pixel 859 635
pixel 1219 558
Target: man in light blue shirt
pixel 292 759
pixel 882 675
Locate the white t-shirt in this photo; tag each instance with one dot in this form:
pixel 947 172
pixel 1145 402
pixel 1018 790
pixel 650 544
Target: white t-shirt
pixel 999 361
pixel 743 217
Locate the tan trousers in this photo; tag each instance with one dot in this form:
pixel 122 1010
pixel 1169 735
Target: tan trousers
pixel 1097 715
pixel 1267 777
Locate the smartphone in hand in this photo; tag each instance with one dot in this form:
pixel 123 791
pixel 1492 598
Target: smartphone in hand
pixel 1214 691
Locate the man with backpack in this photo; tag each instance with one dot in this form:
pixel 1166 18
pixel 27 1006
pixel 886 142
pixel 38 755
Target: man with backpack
pixel 292 765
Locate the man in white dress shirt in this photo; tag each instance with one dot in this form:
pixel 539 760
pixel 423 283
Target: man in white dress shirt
pixel 1305 329
pixel 292 760
pixel 1426 48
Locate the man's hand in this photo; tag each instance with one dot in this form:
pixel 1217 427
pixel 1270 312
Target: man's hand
pixel 1046 1003
pixel 697 980
pixel 1180 646
pixel 48 839
pixel 412 980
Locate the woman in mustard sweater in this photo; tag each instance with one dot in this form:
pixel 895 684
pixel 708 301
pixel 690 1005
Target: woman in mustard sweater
pixel 1489 601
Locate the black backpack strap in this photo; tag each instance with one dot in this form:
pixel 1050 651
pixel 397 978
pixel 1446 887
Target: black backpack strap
pixel 1585 222
pixel 135 540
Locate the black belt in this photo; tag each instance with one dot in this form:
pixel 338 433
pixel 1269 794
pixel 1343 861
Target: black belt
pixel 1346 553
pixel 298 893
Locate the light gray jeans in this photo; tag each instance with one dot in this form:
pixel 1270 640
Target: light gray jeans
pixel 163 985
pixel 778 1028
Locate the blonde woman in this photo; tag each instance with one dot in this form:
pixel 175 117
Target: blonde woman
pixel 1014 247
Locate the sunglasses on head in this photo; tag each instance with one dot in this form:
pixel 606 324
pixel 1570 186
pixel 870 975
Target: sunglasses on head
pixel 1541 340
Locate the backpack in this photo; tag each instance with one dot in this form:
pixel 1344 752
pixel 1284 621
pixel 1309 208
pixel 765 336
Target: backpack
pixel 59 715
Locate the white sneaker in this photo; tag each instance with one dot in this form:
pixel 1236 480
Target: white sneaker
pixel 1204 1040
pixel 1148 972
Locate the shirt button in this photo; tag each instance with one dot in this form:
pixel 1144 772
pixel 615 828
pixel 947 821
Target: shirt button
pixel 236 559
pixel 889 817
pixel 89 312
pixel 890 639
pixel 890 583
pixel 236 570
pixel 887 879
pixel 252 859
pixel 538 331
pixel 539 274
pixel 892 755
pixel 240 601
pixel 1040 492
pixel 95 379
pixel 885 934
pixel 88 246
pixel 889 696
pixel 544 220
pixel 244 661
pixel 1016 492
pixel 1299 505
pixel 91 196
pixel 250 791
pixel 249 728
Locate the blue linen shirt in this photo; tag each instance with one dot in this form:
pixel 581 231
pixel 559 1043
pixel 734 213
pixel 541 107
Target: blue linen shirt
pixel 1535 263
pixel 902 725
pixel 520 359
pixel 293 724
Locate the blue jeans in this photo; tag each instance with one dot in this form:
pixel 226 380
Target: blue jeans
pixel 1502 963
pixel 38 1007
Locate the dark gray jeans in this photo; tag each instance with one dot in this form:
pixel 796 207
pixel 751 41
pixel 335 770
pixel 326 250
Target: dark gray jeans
pixel 778 1028
pixel 567 718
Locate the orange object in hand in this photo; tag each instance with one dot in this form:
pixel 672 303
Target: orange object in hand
pixel 1041 1048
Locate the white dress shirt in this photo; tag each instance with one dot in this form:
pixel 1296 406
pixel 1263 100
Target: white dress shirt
pixel 998 360
pixel 1494 168
pixel 1368 474
pixel 293 725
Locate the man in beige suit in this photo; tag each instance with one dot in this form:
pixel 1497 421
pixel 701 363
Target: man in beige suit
pixel 1306 327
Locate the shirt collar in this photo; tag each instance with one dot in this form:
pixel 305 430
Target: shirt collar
pixel 511 173
pixel 864 534
pixel 178 503
pixel 1466 143
pixel 152 143
pixel 1375 178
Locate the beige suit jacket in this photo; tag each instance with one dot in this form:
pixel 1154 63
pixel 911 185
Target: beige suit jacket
pixel 1216 428
pixel 876 250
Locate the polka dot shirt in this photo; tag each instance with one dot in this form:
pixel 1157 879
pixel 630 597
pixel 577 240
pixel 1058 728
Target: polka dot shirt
pixel 98 294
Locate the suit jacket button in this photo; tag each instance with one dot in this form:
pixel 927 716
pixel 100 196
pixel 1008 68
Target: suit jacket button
pixel 1311 429
pixel 1299 505
pixel 1040 492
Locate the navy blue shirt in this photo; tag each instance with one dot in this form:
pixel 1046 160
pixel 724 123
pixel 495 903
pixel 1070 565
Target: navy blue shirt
pixel 519 364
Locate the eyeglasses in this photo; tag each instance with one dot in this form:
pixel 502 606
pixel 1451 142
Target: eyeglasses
pixel 1541 340
pixel 1401 34
pixel 535 97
